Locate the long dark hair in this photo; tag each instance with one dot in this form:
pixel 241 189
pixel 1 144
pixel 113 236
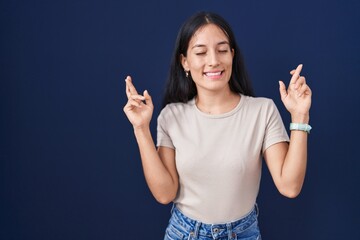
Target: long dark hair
pixel 180 88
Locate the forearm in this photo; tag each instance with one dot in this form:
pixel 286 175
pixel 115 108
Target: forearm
pixel 294 167
pixel 158 178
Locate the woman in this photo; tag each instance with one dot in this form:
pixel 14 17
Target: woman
pixel 212 135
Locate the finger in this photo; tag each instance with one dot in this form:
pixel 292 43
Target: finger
pixel 296 74
pixel 148 99
pixel 127 89
pixel 137 97
pixel 301 80
pixel 130 86
pixel 303 90
pixel 292 71
pixel 134 103
pixel 128 107
pixel 308 91
pixel 282 90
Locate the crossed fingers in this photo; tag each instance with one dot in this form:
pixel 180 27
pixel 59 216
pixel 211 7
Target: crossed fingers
pixel 298 82
pixel 134 98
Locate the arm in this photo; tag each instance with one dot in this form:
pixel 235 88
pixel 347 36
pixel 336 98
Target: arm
pixel 159 165
pixel 287 162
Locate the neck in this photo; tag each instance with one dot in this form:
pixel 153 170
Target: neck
pixel 217 103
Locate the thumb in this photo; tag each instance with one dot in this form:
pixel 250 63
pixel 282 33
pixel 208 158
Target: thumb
pixel 282 90
pixel 148 99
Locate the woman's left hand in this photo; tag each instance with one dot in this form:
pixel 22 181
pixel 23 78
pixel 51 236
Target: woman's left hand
pixel 297 98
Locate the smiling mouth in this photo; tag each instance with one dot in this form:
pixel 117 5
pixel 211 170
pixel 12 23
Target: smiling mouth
pixel 213 74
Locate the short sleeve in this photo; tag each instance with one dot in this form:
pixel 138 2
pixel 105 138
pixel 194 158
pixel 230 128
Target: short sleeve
pixel 275 131
pixel 163 137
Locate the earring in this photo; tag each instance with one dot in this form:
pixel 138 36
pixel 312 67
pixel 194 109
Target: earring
pixel 187 74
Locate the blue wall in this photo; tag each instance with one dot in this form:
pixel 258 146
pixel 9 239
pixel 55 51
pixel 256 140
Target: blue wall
pixel 69 163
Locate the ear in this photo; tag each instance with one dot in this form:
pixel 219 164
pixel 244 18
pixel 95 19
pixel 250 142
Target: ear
pixel 232 53
pixel 184 62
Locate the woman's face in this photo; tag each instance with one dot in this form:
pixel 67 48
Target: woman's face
pixel 209 59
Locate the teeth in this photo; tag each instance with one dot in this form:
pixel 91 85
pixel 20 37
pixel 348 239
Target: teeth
pixel 213 74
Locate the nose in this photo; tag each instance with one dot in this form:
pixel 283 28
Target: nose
pixel 213 59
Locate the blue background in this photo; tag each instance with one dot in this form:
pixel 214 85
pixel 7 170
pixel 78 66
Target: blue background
pixel 69 163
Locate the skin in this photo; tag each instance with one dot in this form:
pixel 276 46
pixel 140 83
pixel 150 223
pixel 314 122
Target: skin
pixel 209 51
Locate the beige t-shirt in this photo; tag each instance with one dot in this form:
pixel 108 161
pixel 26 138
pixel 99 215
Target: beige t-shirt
pixel 218 157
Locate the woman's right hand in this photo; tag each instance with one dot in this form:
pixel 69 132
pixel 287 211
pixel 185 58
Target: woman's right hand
pixel 137 111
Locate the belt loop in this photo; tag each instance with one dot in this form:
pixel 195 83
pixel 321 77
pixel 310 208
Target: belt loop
pixel 173 208
pixel 257 209
pixel 196 230
pixel 229 230
pixel 194 234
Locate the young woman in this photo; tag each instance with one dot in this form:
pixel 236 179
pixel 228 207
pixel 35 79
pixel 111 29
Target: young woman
pixel 212 135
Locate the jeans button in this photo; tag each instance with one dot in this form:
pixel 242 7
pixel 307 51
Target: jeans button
pixel 216 230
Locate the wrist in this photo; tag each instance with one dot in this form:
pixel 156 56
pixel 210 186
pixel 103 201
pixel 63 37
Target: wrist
pixel 300 118
pixel 138 130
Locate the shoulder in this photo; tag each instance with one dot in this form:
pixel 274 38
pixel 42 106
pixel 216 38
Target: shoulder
pixel 176 109
pixel 258 102
pixel 260 107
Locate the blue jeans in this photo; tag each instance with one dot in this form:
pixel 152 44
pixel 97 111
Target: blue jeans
pixel 182 227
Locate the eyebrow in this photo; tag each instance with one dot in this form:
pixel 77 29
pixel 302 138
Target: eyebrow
pixel 202 45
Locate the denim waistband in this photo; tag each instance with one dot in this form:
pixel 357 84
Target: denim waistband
pixel 197 228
